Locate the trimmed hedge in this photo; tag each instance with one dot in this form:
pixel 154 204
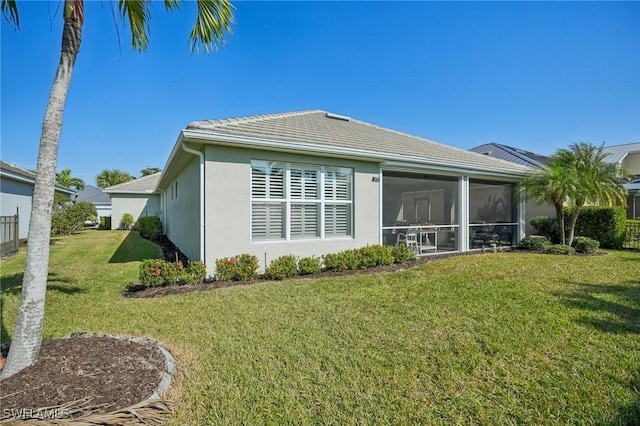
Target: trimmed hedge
pixel 586 245
pixel 282 267
pixel 535 243
pixel 150 227
pixel 604 224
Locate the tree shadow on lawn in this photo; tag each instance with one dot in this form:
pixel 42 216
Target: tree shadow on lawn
pixel 594 299
pixel 133 248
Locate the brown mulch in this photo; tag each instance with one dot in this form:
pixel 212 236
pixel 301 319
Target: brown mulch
pixel 82 375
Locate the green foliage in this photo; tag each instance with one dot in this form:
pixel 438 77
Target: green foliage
pixel 158 272
pixel 560 249
pixel 586 245
pixel 402 253
pixel 376 255
pixel 65 179
pixel 111 177
pixel 70 217
pixel 282 267
pixel 604 224
pixel 126 222
pixel 535 243
pixel 309 265
pixel 542 225
pixel 150 227
pixel 105 222
pixel 242 267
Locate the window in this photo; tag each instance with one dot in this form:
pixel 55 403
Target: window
pixel 295 201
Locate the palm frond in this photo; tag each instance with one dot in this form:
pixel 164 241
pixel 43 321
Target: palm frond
pixel 10 12
pixel 171 4
pixel 212 23
pixel 138 14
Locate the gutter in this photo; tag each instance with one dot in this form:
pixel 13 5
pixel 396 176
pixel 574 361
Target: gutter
pixel 186 148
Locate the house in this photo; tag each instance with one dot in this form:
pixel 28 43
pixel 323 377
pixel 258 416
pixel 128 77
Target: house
pixel 98 198
pixel 16 190
pixel 525 158
pixel 137 197
pixel 313 182
pixel 628 156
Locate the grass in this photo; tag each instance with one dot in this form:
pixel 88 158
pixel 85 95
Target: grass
pixel 502 338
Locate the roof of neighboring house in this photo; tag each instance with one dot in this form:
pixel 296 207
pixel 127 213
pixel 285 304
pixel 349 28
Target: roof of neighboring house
pixel 322 132
pixel 143 185
pixel 94 195
pixel 12 171
pixel 509 153
pixel 617 153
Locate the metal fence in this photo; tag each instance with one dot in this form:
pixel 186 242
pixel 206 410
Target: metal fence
pixel 632 236
pixel 9 239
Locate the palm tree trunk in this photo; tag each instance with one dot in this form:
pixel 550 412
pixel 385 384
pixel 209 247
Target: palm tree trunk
pixel 27 335
pixel 572 225
pixel 560 216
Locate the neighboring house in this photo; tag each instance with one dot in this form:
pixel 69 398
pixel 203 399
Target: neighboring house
pixel 98 198
pixel 312 182
pixel 16 190
pixel 525 158
pixel 137 197
pixel 628 156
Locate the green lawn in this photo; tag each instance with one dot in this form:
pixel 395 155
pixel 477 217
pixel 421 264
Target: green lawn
pixel 504 338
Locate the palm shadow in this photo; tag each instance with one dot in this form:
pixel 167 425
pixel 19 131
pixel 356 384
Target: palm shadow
pixel 620 304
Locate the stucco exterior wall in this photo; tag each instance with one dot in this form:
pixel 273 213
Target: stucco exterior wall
pixel 228 207
pixel 532 210
pixel 182 210
pixel 632 163
pixel 135 204
pixel 16 196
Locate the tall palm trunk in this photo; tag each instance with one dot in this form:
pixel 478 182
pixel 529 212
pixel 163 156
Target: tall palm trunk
pixel 572 224
pixel 560 215
pixel 27 335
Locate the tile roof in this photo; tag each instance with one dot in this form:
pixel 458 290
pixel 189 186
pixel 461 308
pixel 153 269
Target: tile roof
pixel 93 195
pixel 9 170
pixel 617 153
pixel 324 129
pixel 509 153
pixel 142 185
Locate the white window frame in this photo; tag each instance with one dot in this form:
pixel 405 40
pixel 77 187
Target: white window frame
pixel 321 201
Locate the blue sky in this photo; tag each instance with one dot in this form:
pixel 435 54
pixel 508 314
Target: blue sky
pixel 535 75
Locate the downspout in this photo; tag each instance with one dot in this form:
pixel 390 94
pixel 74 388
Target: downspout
pixel 202 210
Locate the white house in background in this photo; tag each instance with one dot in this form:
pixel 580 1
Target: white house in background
pixel 16 190
pixel 313 182
pixel 98 198
pixel 628 156
pixel 137 197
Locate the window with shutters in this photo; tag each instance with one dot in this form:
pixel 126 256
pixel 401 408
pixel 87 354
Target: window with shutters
pixel 296 201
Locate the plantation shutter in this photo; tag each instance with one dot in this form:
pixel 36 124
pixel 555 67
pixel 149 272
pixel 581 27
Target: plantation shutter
pixel 337 220
pixel 338 202
pixel 267 221
pixel 305 220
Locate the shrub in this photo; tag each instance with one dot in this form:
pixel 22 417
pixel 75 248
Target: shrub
pixel 150 227
pixel 282 267
pixel 535 243
pixel 604 224
pixel 542 225
pixel 69 217
pixel 376 255
pixel 309 265
pixel 196 270
pixel 157 272
pixel 126 222
pixel 560 249
pixel 105 222
pixel 242 267
pixel 586 245
pixel 402 253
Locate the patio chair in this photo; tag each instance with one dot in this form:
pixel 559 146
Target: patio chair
pixel 409 239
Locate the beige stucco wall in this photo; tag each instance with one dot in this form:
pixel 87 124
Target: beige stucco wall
pixel 182 215
pixel 136 204
pixel 532 210
pixel 228 201
pixel 632 163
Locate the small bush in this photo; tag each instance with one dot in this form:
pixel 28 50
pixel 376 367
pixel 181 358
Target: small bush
pixel 586 245
pixel 242 267
pixel 157 272
pixel 376 255
pixel 126 222
pixel 535 243
pixel 402 253
pixel 282 267
pixel 542 225
pixel 560 249
pixel 150 227
pixel 197 271
pixel 105 222
pixel 69 217
pixel 309 265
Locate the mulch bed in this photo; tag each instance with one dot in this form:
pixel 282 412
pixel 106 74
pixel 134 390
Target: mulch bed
pixel 82 375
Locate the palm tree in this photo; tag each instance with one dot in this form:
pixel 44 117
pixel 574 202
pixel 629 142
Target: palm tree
pixel 550 185
pixel 110 177
pixel 149 171
pixel 596 182
pixel 64 178
pixel 213 22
